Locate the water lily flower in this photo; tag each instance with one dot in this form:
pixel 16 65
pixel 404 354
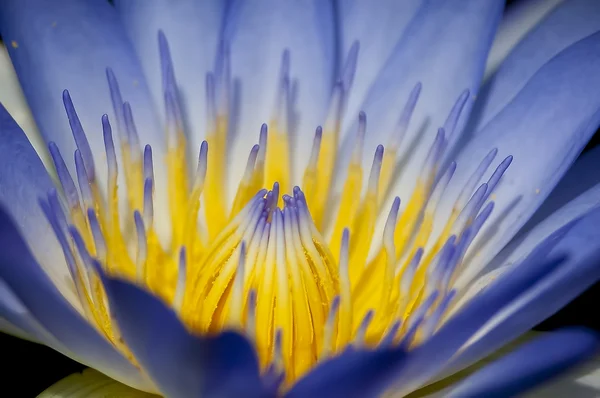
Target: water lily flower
pixel 301 198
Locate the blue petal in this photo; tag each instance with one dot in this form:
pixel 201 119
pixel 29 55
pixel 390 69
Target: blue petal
pixel 14 313
pixel 378 26
pixel 574 183
pixel 24 180
pixel 12 98
pixel 531 365
pixel 545 127
pixel 38 294
pixel 566 203
pixel 16 319
pixel 192 29
pixel 68 44
pixel 581 243
pixel 430 358
pixel 259 31
pixel 568 23
pixel 519 18
pixel 354 373
pixel 181 365
pixel 445 48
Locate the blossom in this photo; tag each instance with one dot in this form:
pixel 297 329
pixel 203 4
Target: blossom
pixel 301 198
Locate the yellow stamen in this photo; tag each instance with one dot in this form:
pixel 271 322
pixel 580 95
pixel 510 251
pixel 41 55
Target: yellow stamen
pixel 350 198
pixel 327 158
pixel 217 141
pixel 264 268
pixel 277 162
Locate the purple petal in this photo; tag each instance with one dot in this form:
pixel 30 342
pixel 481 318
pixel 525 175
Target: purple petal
pixel 68 44
pixel 530 365
pixel 519 18
pixel 581 245
pixel 24 180
pixel 182 365
pixel 353 373
pixel 14 313
pixel 378 26
pixel 38 294
pixel 259 31
pixel 544 128
pixel 568 23
pixel 575 182
pixel 444 47
pixel 429 359
pixel 566 203
pixel 192 29
pixel 12 98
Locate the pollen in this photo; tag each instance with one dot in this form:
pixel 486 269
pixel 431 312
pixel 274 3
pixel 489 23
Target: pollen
pixel 301 270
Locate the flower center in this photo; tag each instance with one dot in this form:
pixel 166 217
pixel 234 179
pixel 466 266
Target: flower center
pixel 294 271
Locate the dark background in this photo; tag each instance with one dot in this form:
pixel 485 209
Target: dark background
pixel 31 368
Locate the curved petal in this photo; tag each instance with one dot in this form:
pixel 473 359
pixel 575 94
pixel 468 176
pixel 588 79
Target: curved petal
pixel 31 285
pixel 180 364
pixel 378 26
pixel 12 98
pixel 519 18
pixel 444 47
pixel 24 180
pixel 581 243
pixel 192 29
pixel 352 373
pixel 581 382
pixel 544 128
pixel 68 44
pixel 91 384
pixel 259 32
pixel 575 182
pixel 530 365
pixel 551 215
pixel 10 329
pixel 568 23
pixel 15 315
pixel 432 357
